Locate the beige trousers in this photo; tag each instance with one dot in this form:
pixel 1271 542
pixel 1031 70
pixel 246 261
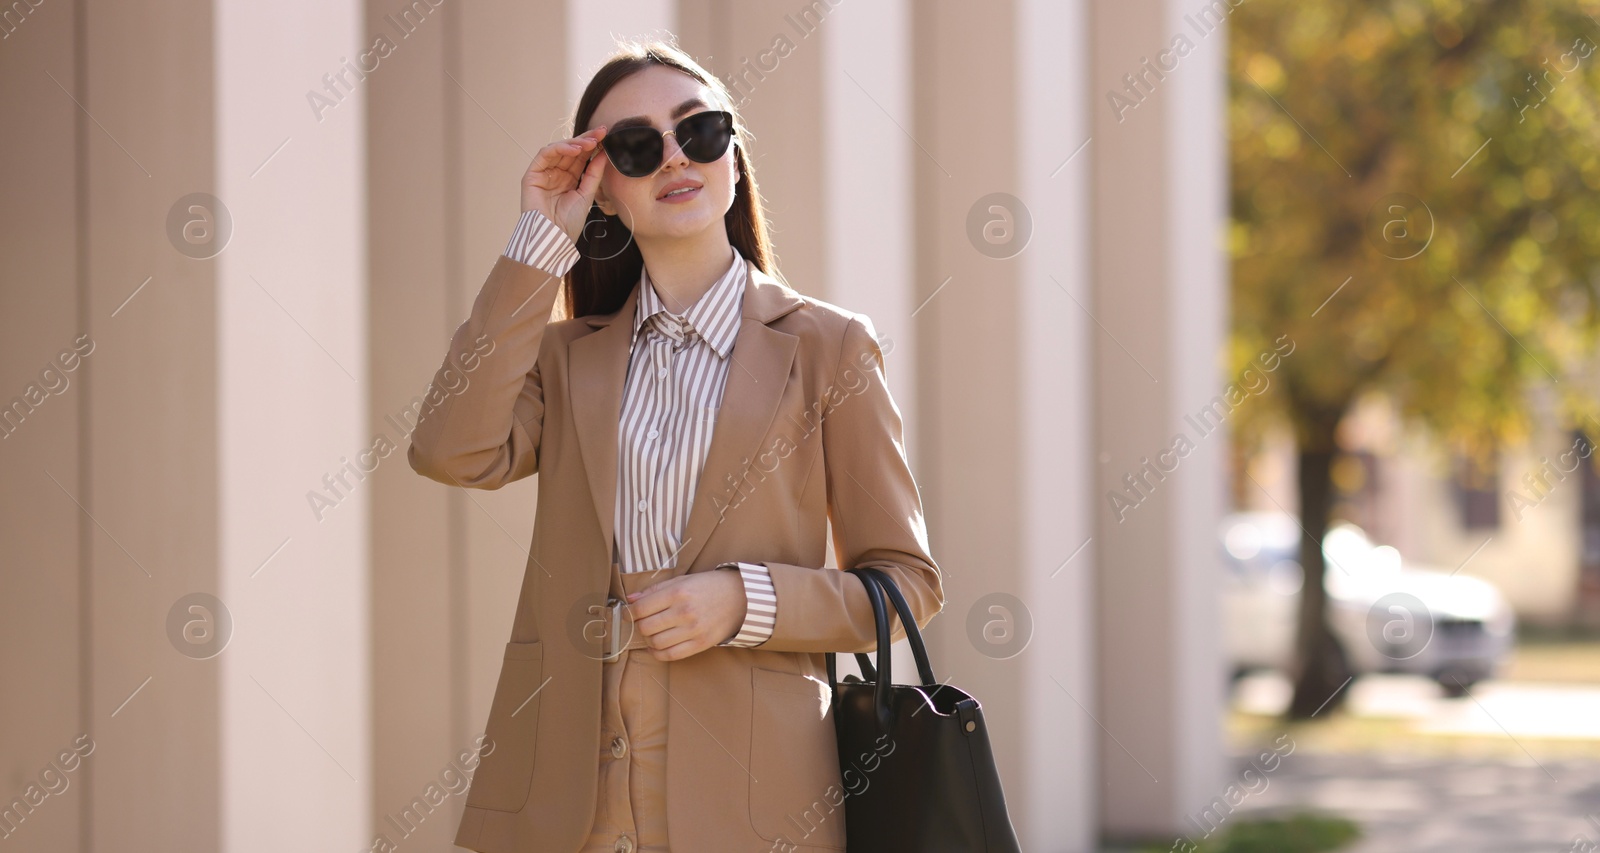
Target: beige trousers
pixel 631 809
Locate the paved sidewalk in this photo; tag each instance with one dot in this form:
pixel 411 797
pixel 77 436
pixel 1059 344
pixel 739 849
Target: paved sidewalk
pixel 1413 799
pixel 1409 798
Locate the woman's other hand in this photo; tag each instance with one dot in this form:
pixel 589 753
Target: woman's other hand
pixel 563 178
pixel 687 614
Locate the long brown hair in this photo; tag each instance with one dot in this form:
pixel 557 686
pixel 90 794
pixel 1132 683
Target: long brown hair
pixel 609 261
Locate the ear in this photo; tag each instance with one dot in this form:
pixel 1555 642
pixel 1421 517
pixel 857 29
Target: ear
pixel 602 202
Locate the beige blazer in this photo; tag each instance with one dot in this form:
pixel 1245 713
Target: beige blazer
pixel 807 432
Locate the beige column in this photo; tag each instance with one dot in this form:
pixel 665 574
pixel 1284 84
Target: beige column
pixel 297 451
pixel 1001 230
pixel 109 467
pixel 63 574
pixel 1060 732
pixel 1159 298
pixel 593 28
pixel 423 637
pixel 199 637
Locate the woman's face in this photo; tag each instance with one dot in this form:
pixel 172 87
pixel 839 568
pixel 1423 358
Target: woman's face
pixel 663 97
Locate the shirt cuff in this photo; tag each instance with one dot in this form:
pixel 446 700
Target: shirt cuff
pixel 761 605
pixel 538 242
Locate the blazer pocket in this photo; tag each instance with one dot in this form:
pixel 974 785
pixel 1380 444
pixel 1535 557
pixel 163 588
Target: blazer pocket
pixel 795 791
pixel 505 772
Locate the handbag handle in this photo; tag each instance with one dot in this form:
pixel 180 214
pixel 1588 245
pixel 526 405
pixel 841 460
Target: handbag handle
pixel 877 583
pixel 913 634
pixel 880 621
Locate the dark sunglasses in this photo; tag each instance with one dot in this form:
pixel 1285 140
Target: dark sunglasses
pixel 638 151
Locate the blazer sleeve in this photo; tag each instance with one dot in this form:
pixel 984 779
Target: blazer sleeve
pixel 482 417
pixel 876 513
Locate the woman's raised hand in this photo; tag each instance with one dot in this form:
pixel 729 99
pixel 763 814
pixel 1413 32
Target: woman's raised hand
pixel 563 178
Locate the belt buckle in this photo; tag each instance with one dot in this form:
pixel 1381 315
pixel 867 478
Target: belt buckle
pixel 615 645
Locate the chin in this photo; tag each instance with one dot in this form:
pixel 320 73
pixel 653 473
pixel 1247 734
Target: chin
pixel 689 224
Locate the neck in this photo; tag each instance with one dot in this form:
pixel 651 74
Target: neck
pixel 684 268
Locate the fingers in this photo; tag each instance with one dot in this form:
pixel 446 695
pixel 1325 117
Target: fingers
pixel 650 601
pixel 582 150
pixel 553 162
pixel 562 167
pixel 567 155
pixel 578 146
pixel 657 610
pixel 590 182
pixel 679 651
pixel 678 642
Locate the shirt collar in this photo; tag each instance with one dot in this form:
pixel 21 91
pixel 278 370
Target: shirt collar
pixel 715 315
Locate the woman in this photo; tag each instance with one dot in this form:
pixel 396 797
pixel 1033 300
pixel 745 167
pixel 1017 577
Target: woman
pixel 696 423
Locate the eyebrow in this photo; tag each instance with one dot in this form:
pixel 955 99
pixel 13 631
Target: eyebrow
pixel 644 121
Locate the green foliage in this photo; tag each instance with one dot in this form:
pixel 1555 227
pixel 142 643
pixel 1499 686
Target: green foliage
pixel 1300 833
pixel 1336 105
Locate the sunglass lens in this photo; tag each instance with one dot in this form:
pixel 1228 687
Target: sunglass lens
pixel 635 151
pixel 705 136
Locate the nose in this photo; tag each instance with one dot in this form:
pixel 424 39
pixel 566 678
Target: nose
pixel 673 153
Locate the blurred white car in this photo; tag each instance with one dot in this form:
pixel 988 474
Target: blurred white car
pixel 1386 615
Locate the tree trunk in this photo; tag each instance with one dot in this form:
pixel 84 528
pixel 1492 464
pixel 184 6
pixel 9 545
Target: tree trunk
pixel 1321 665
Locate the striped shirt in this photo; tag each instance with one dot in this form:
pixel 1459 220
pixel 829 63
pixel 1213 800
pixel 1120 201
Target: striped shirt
pixel 678 366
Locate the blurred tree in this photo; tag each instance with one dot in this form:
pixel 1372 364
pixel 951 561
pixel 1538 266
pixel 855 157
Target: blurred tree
pixel 1416 204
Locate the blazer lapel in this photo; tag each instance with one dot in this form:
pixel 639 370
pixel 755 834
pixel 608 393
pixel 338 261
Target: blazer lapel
pixel 761 360
pixel 598 367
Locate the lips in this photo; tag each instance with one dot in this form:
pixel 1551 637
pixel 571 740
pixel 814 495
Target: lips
pixel 675 185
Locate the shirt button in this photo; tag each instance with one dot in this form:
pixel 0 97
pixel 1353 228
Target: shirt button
pixel 662 373
pixel 653 433
pixel 641 506
pixel 624 845
pixel 619 747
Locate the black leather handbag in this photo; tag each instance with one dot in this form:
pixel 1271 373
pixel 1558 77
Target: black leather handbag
pixel 919 775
